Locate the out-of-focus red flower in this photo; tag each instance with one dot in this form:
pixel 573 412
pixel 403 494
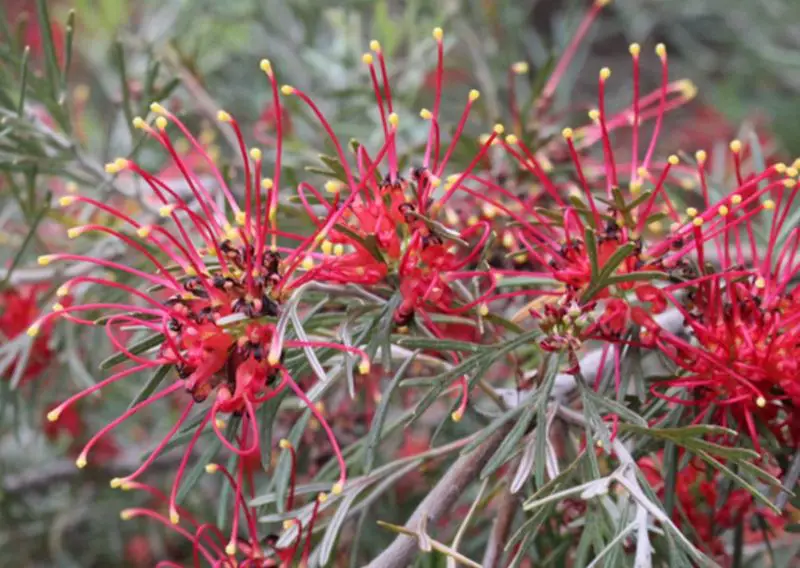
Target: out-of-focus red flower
pixel 264 128
pixel 703 504
pixel 139 552
pixel 18 310
pixel 25 10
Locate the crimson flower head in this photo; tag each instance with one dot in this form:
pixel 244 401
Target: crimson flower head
pixel 380 226
pixel 212 309
pixel 739 304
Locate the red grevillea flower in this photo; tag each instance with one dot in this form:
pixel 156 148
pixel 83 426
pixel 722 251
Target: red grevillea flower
pixel 18 310
pixel 742 317
pixel 244 547
pixel 226 279
pixel 381 226
pixel 704 510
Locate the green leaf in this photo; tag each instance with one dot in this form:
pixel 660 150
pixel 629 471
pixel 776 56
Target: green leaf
pixel 378 420
pixel 151 385
pixel 510 445
pixel 199 468
pixel 48 46
pixel 137 348
pixel 591 249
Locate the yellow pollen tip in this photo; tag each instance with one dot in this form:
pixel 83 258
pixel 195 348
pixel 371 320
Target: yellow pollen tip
pixel 687 88
pixel 45 259
pixel 605 73
pixel 287 90
pixel 367 59
pixel 498 129
pixel 736 199
pixel 138 122
pixel 223 116
pixel 333 186
pixel 691 212
pixel 285 444
pixel 126 514
pixel 735 146
pixel 792 171
pixel 602 3
pixel 520 67
pixel 483 310
pixel 594 114
pixel 474 95
pixel 166 210
pixel 255 153
pixel 697 221
pixel 161 123
pixel 81 462
pixel 75 232
pixel 212 468
pixel 338 249
pixel 54 415
pixel 769 204
pixel 457 415
pixel 635 187
pixel 337 488
pixel 567 133
pixel 266 66
pixel 511 140
pixel 144 232
pixel 66 201
pixel 789 183
pixel 438 34
pixel 62 291
pixel 426 114
pixel 230 549
pixel 273 359
pixel 364 367
pixel 635 49
pixel 723 211
pixel 33 330
pixel 327 247
pixel 394 120
pixel 174 517
pixel 673 160
pixel 375 45
pixel 111 168
pixel 780 167
pixel 219 423
pixel 157 108
pixel 761 402
pixel 58 307
pixel 241 217
pixel 115 483
pixel 661 50
pixel 287 524
pixel 760 283
pixel 322 497
pixel 308 263
pixel 700 156
pixel 435 182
